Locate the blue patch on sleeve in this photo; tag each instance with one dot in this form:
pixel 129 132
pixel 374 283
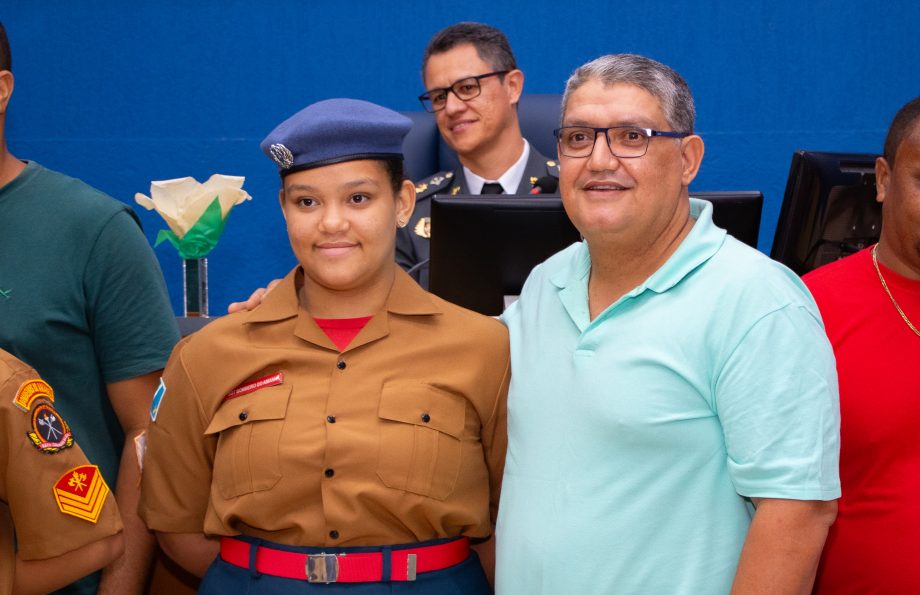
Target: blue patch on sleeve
pixel 157 399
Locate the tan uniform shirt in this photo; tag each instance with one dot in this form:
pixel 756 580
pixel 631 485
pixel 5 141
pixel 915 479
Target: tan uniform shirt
pixel 35 453
pixel 400 438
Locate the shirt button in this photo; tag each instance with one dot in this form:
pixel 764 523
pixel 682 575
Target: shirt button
pixel 243 415
pixel 426 418
pixel 330 419
pixel 334 534
pixel 341 364
pixel 330 472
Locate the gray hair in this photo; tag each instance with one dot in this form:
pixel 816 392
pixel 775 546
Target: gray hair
pixel 659 80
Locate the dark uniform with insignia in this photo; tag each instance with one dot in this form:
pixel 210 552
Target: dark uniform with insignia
pixel 412 241
pixel 376 463
pixel 52 501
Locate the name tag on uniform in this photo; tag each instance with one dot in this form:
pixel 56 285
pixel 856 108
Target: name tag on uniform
pixel 258 383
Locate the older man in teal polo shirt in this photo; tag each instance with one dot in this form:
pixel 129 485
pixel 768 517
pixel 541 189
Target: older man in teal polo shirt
pixel 673 416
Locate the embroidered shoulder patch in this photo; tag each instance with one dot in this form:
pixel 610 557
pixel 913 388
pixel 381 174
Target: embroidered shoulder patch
pixel 433 184
pixel 264 382
pixel 31 390
pixel 50 433
pixel 157 399
pixel 81 492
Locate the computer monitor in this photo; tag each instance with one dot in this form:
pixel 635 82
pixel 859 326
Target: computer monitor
pixel 737 211
pixel 829 209
pixel 483 248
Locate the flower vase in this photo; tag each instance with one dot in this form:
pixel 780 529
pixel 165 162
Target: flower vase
pixel 195 287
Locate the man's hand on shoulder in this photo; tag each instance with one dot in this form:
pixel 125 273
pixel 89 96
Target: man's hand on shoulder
pixel 254 300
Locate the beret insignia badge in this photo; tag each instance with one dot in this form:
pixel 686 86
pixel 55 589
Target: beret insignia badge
pixel 281 155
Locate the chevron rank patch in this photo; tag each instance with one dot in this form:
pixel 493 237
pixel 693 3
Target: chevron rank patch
pixel 50 433
pixel 30 391
pixel 81 492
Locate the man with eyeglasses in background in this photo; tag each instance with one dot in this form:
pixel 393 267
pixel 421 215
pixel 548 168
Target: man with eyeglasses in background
pixel 672 416
pixel 473 87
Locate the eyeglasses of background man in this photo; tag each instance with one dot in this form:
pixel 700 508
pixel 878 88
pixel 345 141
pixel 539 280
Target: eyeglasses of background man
pixel 465 89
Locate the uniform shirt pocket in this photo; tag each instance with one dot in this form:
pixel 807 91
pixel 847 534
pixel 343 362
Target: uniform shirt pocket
pixel 421 429
pixel 249 435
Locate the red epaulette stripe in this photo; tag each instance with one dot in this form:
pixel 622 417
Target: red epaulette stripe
pixel 265 381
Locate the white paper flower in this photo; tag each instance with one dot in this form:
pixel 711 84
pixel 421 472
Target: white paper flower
pixel 182 201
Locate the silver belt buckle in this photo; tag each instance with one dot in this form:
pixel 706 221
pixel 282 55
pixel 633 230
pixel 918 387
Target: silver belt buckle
pixel 322 568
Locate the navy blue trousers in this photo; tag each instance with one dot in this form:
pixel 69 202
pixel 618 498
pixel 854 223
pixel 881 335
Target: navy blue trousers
pixel 466 578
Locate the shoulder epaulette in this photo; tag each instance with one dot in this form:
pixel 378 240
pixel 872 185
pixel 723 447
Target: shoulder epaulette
pixel 434 184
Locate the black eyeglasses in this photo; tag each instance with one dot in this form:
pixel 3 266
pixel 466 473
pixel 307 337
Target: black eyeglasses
pixel 624 141
pixel 465 89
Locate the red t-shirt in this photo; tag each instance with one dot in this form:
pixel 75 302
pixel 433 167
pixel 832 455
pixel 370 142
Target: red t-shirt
pixel 342 330
pixel 874 547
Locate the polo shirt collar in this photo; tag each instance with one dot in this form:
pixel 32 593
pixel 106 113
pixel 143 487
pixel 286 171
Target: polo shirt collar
pixel 703 241
pixel 701 244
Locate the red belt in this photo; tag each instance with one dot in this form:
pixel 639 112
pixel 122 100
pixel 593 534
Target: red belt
pixel 360 567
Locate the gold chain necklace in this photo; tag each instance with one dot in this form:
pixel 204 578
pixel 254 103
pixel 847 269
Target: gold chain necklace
pixel 888 291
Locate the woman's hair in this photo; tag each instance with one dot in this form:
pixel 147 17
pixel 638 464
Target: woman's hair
pixel 393 166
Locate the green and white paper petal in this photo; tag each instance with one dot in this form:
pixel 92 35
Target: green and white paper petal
pixel 182 201
pixel 195 213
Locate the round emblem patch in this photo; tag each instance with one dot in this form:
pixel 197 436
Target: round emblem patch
pixel 282 155
pixel 50 433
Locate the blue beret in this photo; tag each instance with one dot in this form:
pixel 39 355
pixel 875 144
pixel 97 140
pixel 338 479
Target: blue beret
pixel 333 131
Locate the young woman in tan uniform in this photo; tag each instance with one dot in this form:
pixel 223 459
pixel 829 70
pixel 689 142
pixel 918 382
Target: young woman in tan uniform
pixel 349 433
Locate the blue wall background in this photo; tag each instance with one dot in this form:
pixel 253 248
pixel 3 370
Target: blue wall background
pixel 120 95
